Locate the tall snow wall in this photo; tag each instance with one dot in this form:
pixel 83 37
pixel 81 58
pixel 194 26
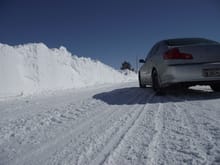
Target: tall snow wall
pixel 33 68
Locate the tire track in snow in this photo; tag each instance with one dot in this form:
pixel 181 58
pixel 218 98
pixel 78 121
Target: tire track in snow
pixel 133 148
pixel 120 135
pixel 154 149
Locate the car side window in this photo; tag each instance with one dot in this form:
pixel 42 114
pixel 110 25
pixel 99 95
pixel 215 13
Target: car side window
pixel 153 51
pixel 150 52
pixel 156 48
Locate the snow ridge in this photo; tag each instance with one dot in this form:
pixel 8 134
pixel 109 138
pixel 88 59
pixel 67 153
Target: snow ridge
pixel 33 68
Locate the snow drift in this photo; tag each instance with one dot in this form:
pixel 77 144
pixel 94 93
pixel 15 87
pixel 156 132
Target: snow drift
pixel 31 68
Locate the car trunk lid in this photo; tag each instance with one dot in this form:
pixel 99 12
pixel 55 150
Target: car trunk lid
pixel 201 53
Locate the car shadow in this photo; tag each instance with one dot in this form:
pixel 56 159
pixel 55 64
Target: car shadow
pixel 136 95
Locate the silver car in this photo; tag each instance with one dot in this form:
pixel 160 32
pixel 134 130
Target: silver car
pixel 183 62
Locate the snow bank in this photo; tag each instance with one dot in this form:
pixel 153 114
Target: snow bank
pixel 31 68
pixel 130 75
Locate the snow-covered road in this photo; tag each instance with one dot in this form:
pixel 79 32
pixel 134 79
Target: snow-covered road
pixel 118 124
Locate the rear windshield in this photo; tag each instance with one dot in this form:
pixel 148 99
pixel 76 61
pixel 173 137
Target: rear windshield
pixel 179 42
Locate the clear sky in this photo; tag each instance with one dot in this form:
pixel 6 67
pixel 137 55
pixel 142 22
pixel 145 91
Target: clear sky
pixel 109 30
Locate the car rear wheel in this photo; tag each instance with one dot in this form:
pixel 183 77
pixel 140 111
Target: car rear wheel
pixel 155 82
pixel 215 87
pixel 141 85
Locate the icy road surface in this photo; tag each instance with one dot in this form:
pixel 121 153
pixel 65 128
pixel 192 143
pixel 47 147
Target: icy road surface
pixel 115 125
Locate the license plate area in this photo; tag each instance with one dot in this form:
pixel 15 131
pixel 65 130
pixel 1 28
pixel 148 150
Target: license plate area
pixel 214 72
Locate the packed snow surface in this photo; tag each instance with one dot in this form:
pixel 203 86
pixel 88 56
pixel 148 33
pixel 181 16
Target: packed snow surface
pixel 31 68
pixel 119 124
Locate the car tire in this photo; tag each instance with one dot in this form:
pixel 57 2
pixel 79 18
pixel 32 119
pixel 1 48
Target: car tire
pixel 215 87
pixel 141 85
pixel 155 82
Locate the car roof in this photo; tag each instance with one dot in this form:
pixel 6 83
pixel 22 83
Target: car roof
pixel 188 41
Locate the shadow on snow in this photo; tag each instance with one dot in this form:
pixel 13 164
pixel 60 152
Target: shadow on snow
pixel 136 95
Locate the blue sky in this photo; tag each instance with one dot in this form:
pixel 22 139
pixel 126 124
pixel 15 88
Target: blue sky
pixel 109 30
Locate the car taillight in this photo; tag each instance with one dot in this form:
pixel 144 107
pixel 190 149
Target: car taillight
pixel 174 54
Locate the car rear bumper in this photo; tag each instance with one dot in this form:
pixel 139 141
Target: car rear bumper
pixel 192 74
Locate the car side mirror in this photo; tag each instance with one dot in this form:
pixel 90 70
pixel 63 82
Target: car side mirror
pixel 141 61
